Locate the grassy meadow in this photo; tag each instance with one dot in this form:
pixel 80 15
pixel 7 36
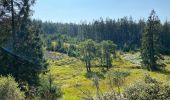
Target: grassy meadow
pixel 70 74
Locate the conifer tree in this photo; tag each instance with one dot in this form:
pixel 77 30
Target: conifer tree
pixel 26 60
pixel 29 46
pixel 151 43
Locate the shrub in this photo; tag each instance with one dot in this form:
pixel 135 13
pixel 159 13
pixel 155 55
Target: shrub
pixel 117 78
pixel 48 90
pixel 90 75
pixel 110 96
pixel 9 89
pixel 148 89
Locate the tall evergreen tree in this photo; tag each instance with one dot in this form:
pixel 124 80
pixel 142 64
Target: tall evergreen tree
pixel 27 53
pixel 151 43
pixel 29 46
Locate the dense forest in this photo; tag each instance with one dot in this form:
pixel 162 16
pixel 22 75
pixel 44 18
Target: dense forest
pixel 50 61
pixel 125 32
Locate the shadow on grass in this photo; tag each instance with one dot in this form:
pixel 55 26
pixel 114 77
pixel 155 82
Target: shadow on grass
pixel 166 72
pixel 91 74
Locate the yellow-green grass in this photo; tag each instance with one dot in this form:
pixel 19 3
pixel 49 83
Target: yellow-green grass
pixel 69 73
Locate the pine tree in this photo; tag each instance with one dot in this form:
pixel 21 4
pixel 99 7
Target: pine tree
pixel 25 62
pixel 28 45
pixel 151 43
pixel 30 48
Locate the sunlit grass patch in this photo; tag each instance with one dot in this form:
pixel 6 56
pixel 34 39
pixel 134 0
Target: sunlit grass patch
pixel 122 63
pixel 70 73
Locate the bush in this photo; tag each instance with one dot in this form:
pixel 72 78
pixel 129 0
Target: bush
pixel 9 89
pixel 109 96
pixel 90 75
pixel 148 89
pixel 117 77
pixel 48 90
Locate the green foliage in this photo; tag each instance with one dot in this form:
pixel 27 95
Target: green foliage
pixel 125 32
pixel 30 47
pixel 148 89
pixel 87 52
pixel 107 53
pixel 60 44
pixel 9 89
pixel 110 96
pixel 122 31
pixel 151 43
pixel 117 74
pixel 90 75
pixel 117 78
pixel 69 72
pixel 23 54
pixel 165 38
pixel 71 50
pixel 48 90
pixel 4 31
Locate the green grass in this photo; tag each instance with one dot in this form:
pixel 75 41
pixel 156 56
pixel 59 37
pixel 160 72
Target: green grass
pixel 70 74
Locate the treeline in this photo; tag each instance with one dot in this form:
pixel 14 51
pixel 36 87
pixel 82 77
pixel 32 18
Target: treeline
pixel 125 32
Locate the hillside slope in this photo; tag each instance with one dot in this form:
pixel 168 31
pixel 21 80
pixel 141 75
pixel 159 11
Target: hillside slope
pixel 70 74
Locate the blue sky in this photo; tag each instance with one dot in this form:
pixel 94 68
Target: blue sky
pixel 80 10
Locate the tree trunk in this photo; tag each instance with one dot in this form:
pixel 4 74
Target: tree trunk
pixel 13 24
pixel 107 62
pixel 13 36
pixel 87 67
